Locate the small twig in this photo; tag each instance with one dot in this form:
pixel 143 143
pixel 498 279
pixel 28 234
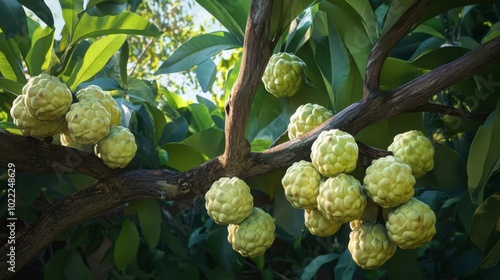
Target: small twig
pixel 452 111
pixel 139 58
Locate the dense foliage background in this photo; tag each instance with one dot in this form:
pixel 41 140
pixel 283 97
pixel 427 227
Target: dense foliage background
pixel 127 48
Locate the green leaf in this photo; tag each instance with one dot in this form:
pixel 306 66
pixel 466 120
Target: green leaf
pixel 74 267
pixel 182 157
pixel 55 266
pixel 126 245
pixel 196 50
pixel 40 9
pixel 483 228
pixel 210 142
pixel 492 258
pixel 124 23
pixel 149 214
pixel 219 247
pixel 10 61
pixel 11 86
pixel 95 59
pixel 140 90
pixel 365 11
pixel 13 18
pixel 402 264
pixel 265 108
pixel 124 53
pixel 301 33
pixel 484 155
pixel 199 118
pixel 396 72
pixel 40 53
pixel 287 217
pixel 311 269
pixel 396 10
pixel 70 11
pixel 260 145
pixel 174 131
pixel 231 14
pixel 345 267
pixel 205 72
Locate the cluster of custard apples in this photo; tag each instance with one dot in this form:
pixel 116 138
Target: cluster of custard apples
pixel 46 108
pixel 381 210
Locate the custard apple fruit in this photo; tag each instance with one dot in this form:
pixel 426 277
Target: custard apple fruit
pixel 284 75
pixel 88 121
pixel 229 201
pixel 412 224
pixel 389 181
pixel 301 183
pixel 66 140
pixel 104 98
pixel 341 198
pixel 254 235
pixel 416 150
pixel 319 225
pixel 306 118
pixel 334 152
pixel 118 148
pixel 30 126
pixel 370 245
pixel 47 97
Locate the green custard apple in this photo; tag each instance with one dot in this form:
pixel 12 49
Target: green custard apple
pixel 414 149
pixel 118 148
pixel 370 245
pixel 106 100
pixel 319 225
pixel 306 118
pixel 301 184
pixel 284 74
pixel 88 121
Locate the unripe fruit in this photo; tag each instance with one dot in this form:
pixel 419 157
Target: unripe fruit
pixel 106 100
pixel 370 245
pixel 341 198
pixel 389 181
pixel 88 121
pixel 306 118
pixel 414 149
pixel 118 148
pixel 229 201
pixel 284 75
pixel 319 225
pixel 412 224
pixel 66 140
pixel 30 126
pixel 334 152
pixel 254 235
pixel 47 97
pixel 301 183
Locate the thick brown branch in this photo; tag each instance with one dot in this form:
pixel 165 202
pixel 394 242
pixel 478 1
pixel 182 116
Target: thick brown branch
pixel 452 111
pixel 390 39
pixel 257 49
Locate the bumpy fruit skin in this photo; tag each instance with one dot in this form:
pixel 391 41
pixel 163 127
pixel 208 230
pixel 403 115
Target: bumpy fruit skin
pixel 301 183
pixel 412 224
pixel 30 126
pixel 416 150
pixel 118 148
pixel 106 100
pixel 66 140
pixel 284 75
pixel 319 225
pixel 370 245
pixel 254 235
pixel 306 118
pixel 88 121
pixel 389 181
pixel 341 198
pixel 47 97
pixel 334 152
pixel 229 201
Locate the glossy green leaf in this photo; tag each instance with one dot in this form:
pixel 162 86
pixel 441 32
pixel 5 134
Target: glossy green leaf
pixel 209 142
pixel 231 14
pixel 143 127
pixel 10 61
pixel 13 18
pixel 149 214
pixel 40 9
pixel 70 11
pixel 311 269
pixel 345 267
pixel 484 155
pixel 11 86
pixel 124 53
pixel 174 131
pixel 396 10
pixel 265 108
pixel 95 59
pixel 40 53
pixel 365 11
pixel 285 216
pixel 124 23
pixel 205 72
pixel 173 99
pixel 483 228
pixel 107 84
pixel 199 117
pixel 196 50
pixel 126 245
pixel 219 247
pixel 140 91
pixel 301 32
pixel 450 170
pixel 182 157
pixel 260 145
pixel 396 72
pixel 212 108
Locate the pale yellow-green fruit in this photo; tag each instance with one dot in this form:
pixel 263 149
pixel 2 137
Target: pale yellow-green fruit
pixel 66 140
pixel 414 149
pixel 30 126
pixel 301 183
pixel 254 235
pixel 229 201
pixel 389 181
pixel 370 245
pixel 306 118
pixel 334 152
pixel 412 224
pixel 88 121
pixel 341 198
pixel 106 100
pixel 318 224
pixel 118 148
pixel 284 74
pixel 47 97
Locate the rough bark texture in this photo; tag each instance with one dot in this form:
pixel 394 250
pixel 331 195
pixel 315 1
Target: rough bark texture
pixel 115 188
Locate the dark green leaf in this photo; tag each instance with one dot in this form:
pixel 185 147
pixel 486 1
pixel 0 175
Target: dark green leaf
pixel 493 257
pixel 396 72
pixel 287 217
pixel 231 14
pixel 209 103
pixel 174 131
pixel 140 90
pixel 219 247
pixel 40 53
pixel 209 142
pixel 345 267
pixel 266 108
pixel 396 10
pixel 311 269
pixel 126 245
pixel 301 33
pixel 124 52
pixel 402 264
pixel 40 9
pixel 13 18
pixel 483 228
pixel 55 266
pixel 149 214
pixel 11 86
pixel 143 127
pixel 74 267
pixel 196 50
pixel 205 72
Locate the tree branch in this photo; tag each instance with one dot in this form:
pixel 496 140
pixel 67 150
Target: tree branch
pixel 257 50
pixel 384 46
pixel 452 111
